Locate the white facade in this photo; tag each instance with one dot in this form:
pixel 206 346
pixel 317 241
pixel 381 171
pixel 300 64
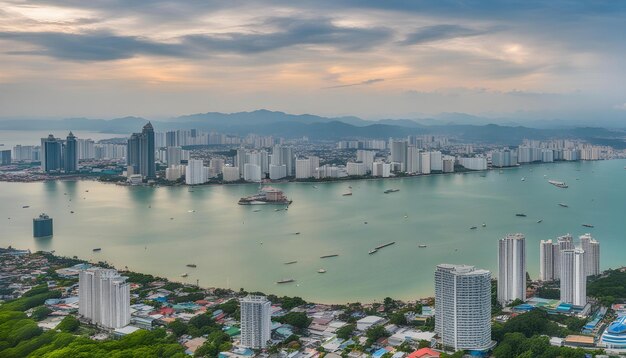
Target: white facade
pixel 252 172
pixel 303 169
pixel 512 269
pixel 546 260
pixel 591 247
pixel 255 321
pixel 230 174
pixel 436 161
pixel 413 160
pixel 216 165
pixel 381 169
pixel 463 307
pixel 425 163
pixel 104 297
pixel 278 171
pixel 195 172
pixel 367 157
pixel 573 277
pixel 476 163
pixel 173 155
pixel 174 172
pixel 356 168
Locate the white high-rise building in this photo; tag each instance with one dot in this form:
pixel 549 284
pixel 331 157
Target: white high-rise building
pixel 512 269
pixel 591 247
pixel 425 162
pixel 195 172
pixel 284 155
pixel 278 171
pixel 463 307
pixel 255 321
pixel 436 161
pixel 303 169
pixel 546 260
pixel 365 156
pixel 398 153
pixel 413 160
pixel 380 169
pixel 104 297
pixel 173 156
pixel 230 174
pixel 573 277
pixel 216 165
pixel 357 169
pixel 252 172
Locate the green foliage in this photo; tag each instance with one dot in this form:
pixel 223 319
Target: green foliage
pixel 529 324
pixel 40 313
pixel 398 319
pixel 345 332
pixel 68 324
pixel 140 278
pixel 288 303
pixel 229 307
pixel 296 319
pixel 190 297
pixel 216 342
pixel 375 333
pixel 178 327
pixel 389 304
pixel 608 288
pixel 549 293
pixel 36 291
pixel 515 302
pixel 27 302
pixel 519 346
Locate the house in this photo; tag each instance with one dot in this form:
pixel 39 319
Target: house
pixel 366 323
pixel 424 353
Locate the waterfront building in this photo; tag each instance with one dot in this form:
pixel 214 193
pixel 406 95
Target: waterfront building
pixel 448 164
pixel 51 154
pixel 436 161
pixel 463 307
pixel 591 247
pixel 283 155
pixel 42 226
pixel 216 165
pixel 104 297
pixel 573 277
pixel 195 173
pixel 240 160
pixel 255 321
pixel 475 163
pixel 175 172
pixel 425 163
pixel 413 160
pixel 26 153
pixel 70 154
pixel 381 169
pixel 399 153
pixel 173 155
pixel 141 152
pixel 365 156
pixel 279 171
pixel 356 169
pixel 5 157
pixel 564 242
pixel 504 158
pixel 614 336
pixel 512 269
pixel 303 169
pixel 252 172
pixel 546 260
pixel 230 174
pixel 86 149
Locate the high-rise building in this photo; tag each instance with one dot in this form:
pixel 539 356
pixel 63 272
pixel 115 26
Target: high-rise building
pixel 230 174
pixel 573 277
pixel 564 242
pixel 51 154
pixel 42 226
pixel 104 297
pixel 512 268
pixel 463 307
pixel 284 155
pixel 141 152
pixel 425 163
pixel 591 247
pixel 303 169
pixel 255 321
pixel 399 153
pixel 173 155
pixel 546 260
pixel 365 156
pixel 70 154
pixel 413 160
pixel 86 149
pixel 252 172
pixel 195 172
pixel 5 157
pixel 278 171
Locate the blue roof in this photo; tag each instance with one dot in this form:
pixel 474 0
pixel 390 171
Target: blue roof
pixel 379 353
pixel 618 327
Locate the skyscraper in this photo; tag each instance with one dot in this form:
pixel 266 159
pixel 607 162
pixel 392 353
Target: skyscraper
pixel 399 154
pixel 512 269
pixel 5 157
pixel 70 154
pixel 564 242
pixel 255 321
pixel 51 154
pixel 104 297
pixel 573 277
pixel 463 307
pixel 284 155
pixel 141 152
pixel 195 172
pixel 546 260
pixel 591 247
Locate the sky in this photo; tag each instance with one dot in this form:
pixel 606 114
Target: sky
pixel 523 60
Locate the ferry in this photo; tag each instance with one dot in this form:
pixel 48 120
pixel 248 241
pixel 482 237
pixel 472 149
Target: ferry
pixel 558 184
pixel 473 228
pixel 321 271
pixel 184 275
pixel 297 233
pixel 96 249
pixel 327 256
pixel 484 225
pixel 372 251
pixel 191 265
pixel 285 280
pixel 521 215
pixel 266 195
pixel 588 225
pixel 539 221
pixel 563 205
pixel 391 191
pixel 422 246
pixel 25 206
pixel 290 262
pixel 523 178
pixel 347 194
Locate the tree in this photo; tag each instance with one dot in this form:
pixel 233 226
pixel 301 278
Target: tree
pixel 398 319
pixel 40 313
pixel 178 327
pixel 68 324
pixel 345 332
pixel 375 333
pixel 296 319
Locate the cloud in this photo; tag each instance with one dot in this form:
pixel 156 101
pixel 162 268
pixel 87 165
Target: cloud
pixel 93 46
pixel 362 83
pixel 438 33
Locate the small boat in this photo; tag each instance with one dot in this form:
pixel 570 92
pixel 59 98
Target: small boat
pixel 71 212
pixel 587 225
pixel 314 187
pixel 256 211
pixel 563 205
pixel 171 218
pixel 484 225
pixel 191 265
pixel 523 178
pixel 285 280
pixel 25 206
pixel 539 221
pixel 321 271
pixel 297 233
pixel 327 256
pixel 391 191
pixel 406 216
pixel 422 246
pixel 276 209
pixel 373 251
pixel 96 249
pixel 365 222
pixel 473 228
pixel 521 215
pixel 347 194
pixel 290 262
pixel 191 211
pixel 350 187
pixel 184 275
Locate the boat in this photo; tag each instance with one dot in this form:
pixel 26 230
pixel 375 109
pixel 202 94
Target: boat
pixel 484 225
pixel 391 191
pixel 256 211
pixel 473 228
pixel 297 233
pixel 191 211
pixel 350 187
pixel 346 194
pixel 539 221
pixel 25 206
pixel 321 271
pixel 96 249
pixel 327 256
pixel 71 212
pixel 558 184
pixel 563 205
pixel 285 280
pixel 372 251
pixel 406 216
pixel 290 262
pixel 314 187
pixel 422 246
pixel 365 222
pixel 521 215
pixel 587 225
pixel 266 195
pixel 191 265
pixel 523 178
pixel 184 275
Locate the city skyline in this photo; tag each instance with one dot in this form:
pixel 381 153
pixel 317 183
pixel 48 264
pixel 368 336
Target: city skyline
pixel 503 60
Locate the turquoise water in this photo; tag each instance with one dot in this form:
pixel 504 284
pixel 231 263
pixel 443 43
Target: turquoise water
pixel 132 225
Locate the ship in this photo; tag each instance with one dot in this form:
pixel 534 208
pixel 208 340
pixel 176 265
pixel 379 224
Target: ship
pixel 290 262
pixel 266 195
pixel 473 228
pixel 347 194
pixel 391 191
pixel 587 225
pixel 191 265
pixel 372 252
pixel 321 271
pixel 184 275
pixel 285 280
pixel 539 221
pixel 375 250
pixel 96 249
pixel 521 215
pixel 558 184
pixel 563 205
pixel 327 256
pixel 422 246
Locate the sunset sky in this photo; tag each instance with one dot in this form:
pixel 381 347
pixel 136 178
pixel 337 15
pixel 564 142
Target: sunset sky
pixel 525 60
